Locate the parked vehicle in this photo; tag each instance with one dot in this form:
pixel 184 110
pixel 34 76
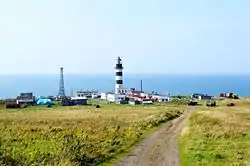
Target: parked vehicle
pixel 192 102
pixel 211 103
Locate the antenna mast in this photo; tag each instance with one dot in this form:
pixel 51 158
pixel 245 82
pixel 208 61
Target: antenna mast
pixel 61 86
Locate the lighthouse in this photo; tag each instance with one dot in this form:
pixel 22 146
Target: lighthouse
pixel 118 76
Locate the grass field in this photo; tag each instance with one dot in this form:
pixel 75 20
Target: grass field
pixel 217 136
pixel 76 135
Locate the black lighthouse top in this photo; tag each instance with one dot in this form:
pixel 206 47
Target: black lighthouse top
pixel 119 64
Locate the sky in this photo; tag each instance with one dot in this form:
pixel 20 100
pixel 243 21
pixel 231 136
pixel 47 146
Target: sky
pixel 151 36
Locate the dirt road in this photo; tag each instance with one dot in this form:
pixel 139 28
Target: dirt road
pixel 160 148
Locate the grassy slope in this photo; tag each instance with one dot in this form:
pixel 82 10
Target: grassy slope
pixel 217 136
pixel 75 135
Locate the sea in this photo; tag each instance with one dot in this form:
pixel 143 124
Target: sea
pixel 44 85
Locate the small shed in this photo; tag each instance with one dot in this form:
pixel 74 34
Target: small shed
pixel 161 98
pixel 201 96
pixel 142 101
pixel 73 101
pixel 134 102
pixel 146 102
pixel 79 101
pixel 26 98
pixel 115 98
pixel 88 94
pixel 12 103
pixel 105 95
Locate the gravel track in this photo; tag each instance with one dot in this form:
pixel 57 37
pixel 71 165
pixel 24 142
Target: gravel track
pixel 161 147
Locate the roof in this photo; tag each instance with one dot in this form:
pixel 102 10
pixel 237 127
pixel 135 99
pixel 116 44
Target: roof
pixel 139 98
pixel 198 94
pixel 160 96
pixel 26 94
pixel 78 98
pixel 137 91
pixel 87 91
pixel 108 92
pixel 117 95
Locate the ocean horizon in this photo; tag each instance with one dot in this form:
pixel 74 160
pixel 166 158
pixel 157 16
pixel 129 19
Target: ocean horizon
pixel 48 84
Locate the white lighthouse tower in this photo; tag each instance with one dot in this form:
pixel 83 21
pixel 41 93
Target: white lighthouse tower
pixel 118 76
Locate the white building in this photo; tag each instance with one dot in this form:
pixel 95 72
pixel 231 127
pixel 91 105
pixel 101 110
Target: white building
pixel 112 97
pixel 138 100
pixel 104 95
pixel 161 98
pixel 115 98
pixel 87 93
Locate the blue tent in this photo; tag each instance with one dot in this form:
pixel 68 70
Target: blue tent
pixel 44 102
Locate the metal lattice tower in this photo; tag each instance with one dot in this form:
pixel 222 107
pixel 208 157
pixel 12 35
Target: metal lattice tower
pixel 61 86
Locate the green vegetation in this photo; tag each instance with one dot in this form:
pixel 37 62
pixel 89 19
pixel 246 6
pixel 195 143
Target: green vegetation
pixel 217 136
pixel 2 104
pixel 76 135
pixel 177 101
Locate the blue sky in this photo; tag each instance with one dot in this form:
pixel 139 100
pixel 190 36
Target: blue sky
pixel 152 36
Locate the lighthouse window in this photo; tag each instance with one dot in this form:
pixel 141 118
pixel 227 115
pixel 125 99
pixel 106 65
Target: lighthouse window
pixel 119 81
pixel 118 73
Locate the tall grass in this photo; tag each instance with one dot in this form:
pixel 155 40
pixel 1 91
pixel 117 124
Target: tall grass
pixel 75 136
pixel 218 136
